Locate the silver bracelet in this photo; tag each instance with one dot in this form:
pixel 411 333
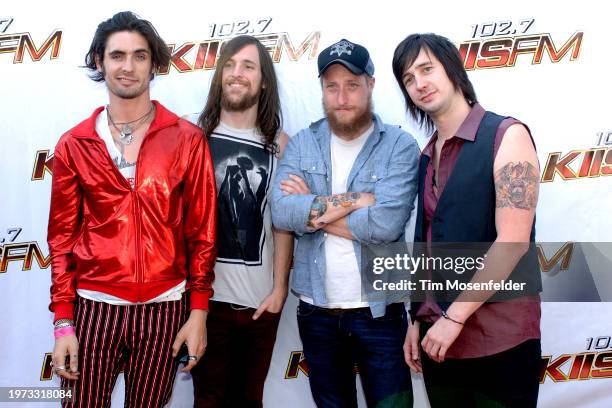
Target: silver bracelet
pixel 61 323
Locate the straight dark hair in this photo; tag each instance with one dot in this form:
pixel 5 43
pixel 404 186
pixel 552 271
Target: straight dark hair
pixel 447 53
pixel 268 110
pixel 126 21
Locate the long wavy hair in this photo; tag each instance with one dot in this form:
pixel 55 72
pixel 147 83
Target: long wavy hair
pixel 269 115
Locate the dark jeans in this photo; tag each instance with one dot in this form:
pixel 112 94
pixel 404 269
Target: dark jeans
pixel 507 379
pixel 235 365
pixel 335 340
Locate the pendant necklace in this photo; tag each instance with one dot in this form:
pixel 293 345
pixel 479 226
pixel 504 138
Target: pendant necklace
pixel 126 133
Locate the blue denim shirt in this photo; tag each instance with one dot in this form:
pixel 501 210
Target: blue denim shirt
pixel 387 166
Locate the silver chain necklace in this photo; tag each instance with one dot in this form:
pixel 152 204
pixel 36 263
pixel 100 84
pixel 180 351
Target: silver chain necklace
pixel 126 133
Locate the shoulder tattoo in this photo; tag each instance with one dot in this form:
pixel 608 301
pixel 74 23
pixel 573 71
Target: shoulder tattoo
pixel 516 186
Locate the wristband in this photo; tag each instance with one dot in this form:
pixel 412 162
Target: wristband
pixel 64 331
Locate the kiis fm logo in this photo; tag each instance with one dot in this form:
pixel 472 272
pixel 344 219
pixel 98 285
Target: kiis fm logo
pixel 595 162
pixel 21 44
pixel 43 164
pixel 25 252
pixel 584 366
pixel 46 372
pixel 497 45
pixel 562 258
pixel 297 364
pixel 194 56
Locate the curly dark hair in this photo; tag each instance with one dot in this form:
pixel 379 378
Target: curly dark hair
pixel 125 21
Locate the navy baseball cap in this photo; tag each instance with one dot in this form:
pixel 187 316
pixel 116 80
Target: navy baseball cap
pixel 353 56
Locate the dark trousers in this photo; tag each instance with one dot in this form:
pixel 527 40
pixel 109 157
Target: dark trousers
pixel 335 340
pixel 507 379
pixel 235 365
pixel 136 339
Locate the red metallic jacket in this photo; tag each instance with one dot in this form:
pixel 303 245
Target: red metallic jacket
pixel 132 243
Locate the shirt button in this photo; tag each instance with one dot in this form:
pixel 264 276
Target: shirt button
pixel 313 167
pixel 374 176
pixel 324 234
pixel 315 261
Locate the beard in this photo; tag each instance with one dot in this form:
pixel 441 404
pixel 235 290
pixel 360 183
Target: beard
pixel 238 105
pixel 361 120
pixel 127 93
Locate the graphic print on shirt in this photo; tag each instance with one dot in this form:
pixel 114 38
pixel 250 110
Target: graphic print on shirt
pixel 243 170
pixel 121 164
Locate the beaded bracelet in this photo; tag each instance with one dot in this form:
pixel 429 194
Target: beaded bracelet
pixel 63 323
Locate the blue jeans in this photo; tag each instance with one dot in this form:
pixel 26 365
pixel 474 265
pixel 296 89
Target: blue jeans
pixel 337 340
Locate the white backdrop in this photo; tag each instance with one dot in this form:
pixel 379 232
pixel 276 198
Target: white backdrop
pixel 565 103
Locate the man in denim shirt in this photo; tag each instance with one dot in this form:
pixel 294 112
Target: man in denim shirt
pixel 347 180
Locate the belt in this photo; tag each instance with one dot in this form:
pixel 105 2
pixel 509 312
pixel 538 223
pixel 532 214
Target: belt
pixel 339 311
pixel 233 306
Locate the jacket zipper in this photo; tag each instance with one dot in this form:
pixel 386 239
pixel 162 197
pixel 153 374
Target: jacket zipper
pixel 135 206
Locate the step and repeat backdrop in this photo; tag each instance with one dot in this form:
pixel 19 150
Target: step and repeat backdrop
pixel 546 64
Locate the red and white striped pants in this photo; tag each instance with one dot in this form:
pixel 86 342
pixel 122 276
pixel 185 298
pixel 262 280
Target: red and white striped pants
pixel 134 339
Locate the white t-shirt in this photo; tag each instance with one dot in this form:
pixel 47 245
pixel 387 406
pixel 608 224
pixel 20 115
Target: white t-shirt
pixel 128 170
pixel 342 277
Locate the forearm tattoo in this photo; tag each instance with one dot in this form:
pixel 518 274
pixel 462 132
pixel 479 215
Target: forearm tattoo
pixel 320 204
pixel 317 209
pixel 344 200
pixel 516 186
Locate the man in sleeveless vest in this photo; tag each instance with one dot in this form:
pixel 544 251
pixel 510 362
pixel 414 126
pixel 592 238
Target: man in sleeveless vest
pixel 347 180
pixel 478 183
pixel 131 231
pixel 242 121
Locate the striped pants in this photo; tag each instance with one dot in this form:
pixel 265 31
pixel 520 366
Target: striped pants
pixel 134 339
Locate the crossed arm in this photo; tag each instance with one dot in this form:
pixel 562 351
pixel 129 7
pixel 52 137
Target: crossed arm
pixel 328 212
pixel 374 216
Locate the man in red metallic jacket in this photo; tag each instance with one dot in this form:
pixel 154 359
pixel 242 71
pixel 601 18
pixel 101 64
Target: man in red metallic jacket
pixel 131 230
